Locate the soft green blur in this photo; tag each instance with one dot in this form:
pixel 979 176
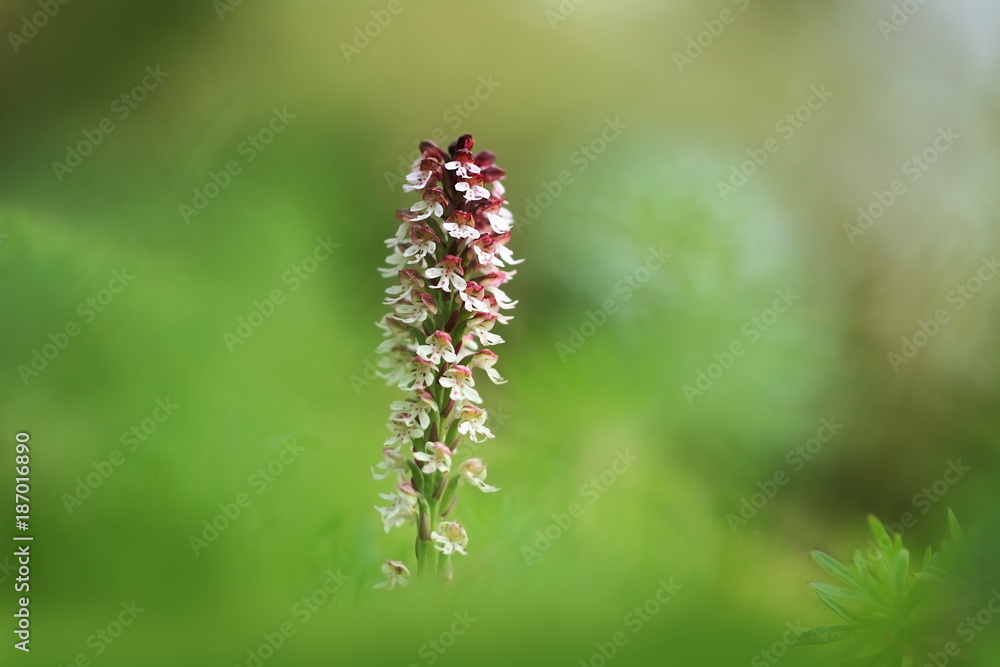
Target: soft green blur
pixel 535 88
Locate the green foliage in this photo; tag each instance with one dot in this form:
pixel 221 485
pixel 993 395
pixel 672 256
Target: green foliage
pixel 892 607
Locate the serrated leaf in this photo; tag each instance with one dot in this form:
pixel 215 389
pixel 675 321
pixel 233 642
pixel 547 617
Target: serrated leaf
pixel 825 634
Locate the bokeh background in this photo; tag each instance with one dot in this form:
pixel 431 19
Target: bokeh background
pixel 680 97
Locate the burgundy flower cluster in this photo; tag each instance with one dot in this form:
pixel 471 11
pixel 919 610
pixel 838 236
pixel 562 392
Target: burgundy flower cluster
pixel 450 258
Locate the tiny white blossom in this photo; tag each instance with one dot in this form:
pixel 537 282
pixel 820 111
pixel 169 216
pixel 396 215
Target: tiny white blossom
pixel 397 575
pixel 501 221
pixel 450 537
pixel 485 359
pixel 459 379
pixel 450 271
pixel 504 253
pixel 403 432
pixel 421 374
pixel 460 231
pixel 464 169
pixel 480 325
pixel 417 180
pixel 437 458
pixel 474 472
pixel 424 209
pixel 403 509
pixel 472 191
pixel 438 346
pixel 472 420
pixel 393 462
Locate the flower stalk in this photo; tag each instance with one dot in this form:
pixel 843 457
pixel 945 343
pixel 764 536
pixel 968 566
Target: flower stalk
pixel 450 259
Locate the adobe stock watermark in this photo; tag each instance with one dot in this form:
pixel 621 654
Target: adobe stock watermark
pixel 967 630
pixel 581 159
pixel 785 128
pixel 87 310
pixel 131 441
pixel 590 491
pixel 258 482
pixel 223 7
pixel 773 654
pixel 453 116
pixel 635 620
pixel 102 638
pixel 624 290
pixel 31 24
pixel 698 43
pixel 796 459
pixel 562 12
pixel 365 34
pixel 121 108
pixel 753 329
pixel 294 277
pixel 901 14
pixel 914 169
pixel 302 611
pixel 958 298
pixel 432 650
pixel 248 149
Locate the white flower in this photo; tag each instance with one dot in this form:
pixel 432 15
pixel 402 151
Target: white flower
pixel 480 325
pixel 424 241
pixel 472 420
pixel 413 411
pixel 459 379
pixel 472 190
pixel 501 298
pixel 450 537
pixel 393 462
pixel 409 280
pixel 463 168
pixel 485 248
pixel 438 347
pixel 474 472
pixel 410 313
pixel 403 509
pixel 485 359
pixel 421 375
pixel 472 296
pixel 504 253
pixel 403 432
pixel 460 231
pixel 395 261
pixel 400 236
pixel 501 221
pixel 425 209
pixel 397 574
pixel 450 271
pixel 395 364
pixel 417 180
pixel 420 309
pixel 437 458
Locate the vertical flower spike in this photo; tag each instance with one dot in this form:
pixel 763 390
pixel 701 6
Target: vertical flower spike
pixel 446 268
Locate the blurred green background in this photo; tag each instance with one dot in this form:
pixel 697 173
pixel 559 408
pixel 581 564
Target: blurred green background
pixel 616 122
